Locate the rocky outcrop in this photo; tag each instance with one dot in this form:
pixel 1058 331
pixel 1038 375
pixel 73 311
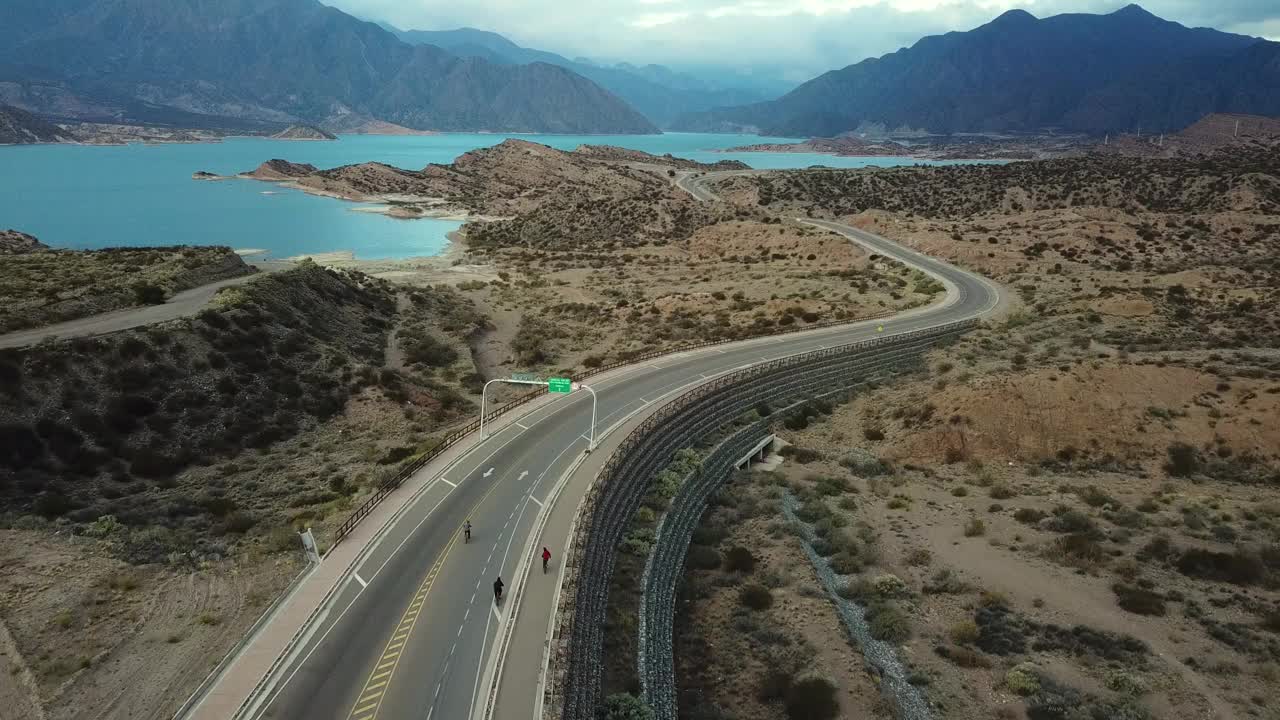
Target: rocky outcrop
pixel 304 132
pixel 13 242
pixel 19 127
pixel 277 169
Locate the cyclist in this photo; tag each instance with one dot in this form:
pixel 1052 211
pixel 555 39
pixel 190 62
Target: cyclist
pixel 497 590
pixel 546 558
pixel 466 528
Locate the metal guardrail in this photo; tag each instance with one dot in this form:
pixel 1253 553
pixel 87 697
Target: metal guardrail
pixel 391 484
pixel 573 690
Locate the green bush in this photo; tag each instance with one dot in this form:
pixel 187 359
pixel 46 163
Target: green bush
pixel 888 622
pixel 739 559
pixel 756 597
pixel 1138 600
pixel 1183 460
pixel 145 293
pixel 812 698
pixel 624 706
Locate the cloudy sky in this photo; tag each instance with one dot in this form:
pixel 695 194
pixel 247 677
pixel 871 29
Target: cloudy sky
pixel 793 38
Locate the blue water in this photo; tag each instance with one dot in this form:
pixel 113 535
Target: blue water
pixel 93 197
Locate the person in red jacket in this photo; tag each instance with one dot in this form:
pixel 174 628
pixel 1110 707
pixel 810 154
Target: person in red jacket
pixel 546 558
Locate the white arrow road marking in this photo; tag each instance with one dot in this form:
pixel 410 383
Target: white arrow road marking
pixel 523 475
pixel 488 472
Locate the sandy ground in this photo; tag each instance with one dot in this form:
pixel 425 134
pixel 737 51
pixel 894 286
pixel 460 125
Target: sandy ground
pixel 124 641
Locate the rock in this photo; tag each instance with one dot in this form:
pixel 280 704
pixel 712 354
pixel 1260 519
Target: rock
pixel 277 169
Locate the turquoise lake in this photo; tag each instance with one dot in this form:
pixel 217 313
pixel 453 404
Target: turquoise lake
pixel 74 196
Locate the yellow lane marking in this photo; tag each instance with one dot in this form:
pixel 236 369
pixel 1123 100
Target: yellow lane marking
pixel 391 653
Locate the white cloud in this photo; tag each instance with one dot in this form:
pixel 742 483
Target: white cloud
pixel 795 38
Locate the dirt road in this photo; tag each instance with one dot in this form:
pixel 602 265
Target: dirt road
pixel 187 302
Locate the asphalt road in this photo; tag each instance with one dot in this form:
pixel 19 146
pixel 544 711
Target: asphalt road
pixel 409 633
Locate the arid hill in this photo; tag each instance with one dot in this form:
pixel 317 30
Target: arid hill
pixel 13 242
pixel 42 288
pixel 304 132
pixel 1206 136
pixel 19 127
pixel 509 178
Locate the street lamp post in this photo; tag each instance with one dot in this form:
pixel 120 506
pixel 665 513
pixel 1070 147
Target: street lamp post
pixel 555 385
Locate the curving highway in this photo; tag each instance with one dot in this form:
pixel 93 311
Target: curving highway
pixel 412 631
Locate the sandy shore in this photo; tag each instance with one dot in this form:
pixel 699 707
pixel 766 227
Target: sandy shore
pixel 452 266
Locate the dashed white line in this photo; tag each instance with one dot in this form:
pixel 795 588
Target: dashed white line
pixel 360 580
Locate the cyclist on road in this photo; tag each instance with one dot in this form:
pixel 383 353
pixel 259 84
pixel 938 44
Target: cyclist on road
pixel 466 528
pixel 497 590
pixel 546 558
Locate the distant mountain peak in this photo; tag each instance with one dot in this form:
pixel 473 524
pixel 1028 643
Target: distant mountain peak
pixel 1133 10
pixel 1016 15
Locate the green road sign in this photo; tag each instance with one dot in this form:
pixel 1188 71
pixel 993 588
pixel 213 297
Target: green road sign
pixel 559 385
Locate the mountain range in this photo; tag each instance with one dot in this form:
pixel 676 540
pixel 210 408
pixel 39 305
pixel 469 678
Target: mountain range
pixel 273 63
pixel 1125 71
pixel 659 93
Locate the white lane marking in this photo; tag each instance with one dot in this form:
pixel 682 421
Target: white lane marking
pixel 765 358
pixel 704 376
pixel 655 367
pixel 646 402
pixel 722 352
pixel 465 615
pixel 495 614
pixel 488 472
pixel 536 500
pixel 448 482
pixel 522 426
pixel 359 579
pixel 523 474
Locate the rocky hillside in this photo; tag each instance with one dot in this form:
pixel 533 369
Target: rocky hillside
pixel 264 63
pixel 19 127
pixel 1124 71
pixel 303 132
pixel 13 242
pixel 102 426
pixel 1207 135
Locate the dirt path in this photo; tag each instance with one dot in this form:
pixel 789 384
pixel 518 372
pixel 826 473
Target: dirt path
pixel 395 353
pixel 183 304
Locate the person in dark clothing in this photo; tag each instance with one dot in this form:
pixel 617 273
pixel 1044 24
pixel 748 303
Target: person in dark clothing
pixel 497 590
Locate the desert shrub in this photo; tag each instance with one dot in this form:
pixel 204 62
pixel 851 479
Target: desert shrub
pixel 945 582
pixel 1000 631
pixel 1241 567
pixel 739 559
pixel 1078 548
pixel 960 491
pixel 812 698
pixel 395 455
pixel 964 632
pixel 1030 516
pixel 145 293
pixel 874 434
pixel 1183 460
pixel 975 527
pixel 919 557
pixel 888 622
pixel 1069 520
pixel 1138 600
pixel 1002 492
pixel 624 706
pixel 1023 679
pixel 756 597
pixel 962 656
pixel 702 557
